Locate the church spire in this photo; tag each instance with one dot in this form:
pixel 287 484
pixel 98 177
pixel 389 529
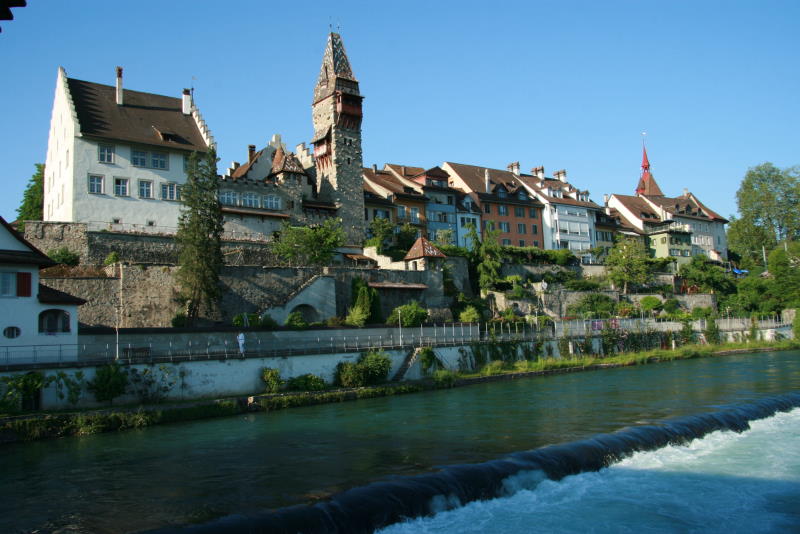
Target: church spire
pixel 647 184
pixel 335 66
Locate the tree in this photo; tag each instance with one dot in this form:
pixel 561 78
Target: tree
pixel 707 276
pixel 745 239
pixel 382 230
pixel 768 198
pixel 199 235
pixel 406 236
pixel 595 305
pixel 490 255
pixel 304 245
pixel 32 207
pixel 445 237
pixel 627 263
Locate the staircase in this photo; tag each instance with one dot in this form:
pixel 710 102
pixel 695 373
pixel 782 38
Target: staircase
pixel 411 359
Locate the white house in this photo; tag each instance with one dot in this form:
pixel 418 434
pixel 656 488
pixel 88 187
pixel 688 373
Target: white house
pixel 116 158
pixel 38 323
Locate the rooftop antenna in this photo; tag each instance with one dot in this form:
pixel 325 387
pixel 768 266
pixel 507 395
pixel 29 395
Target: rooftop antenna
pixel 192 87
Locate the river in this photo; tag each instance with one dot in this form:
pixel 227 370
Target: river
pixel 197 472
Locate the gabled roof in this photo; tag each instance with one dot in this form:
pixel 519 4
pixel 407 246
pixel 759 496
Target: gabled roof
pixel 639 207
pixel 30 256
pixel 144 118
pixel 543 186
pixel 422 248
pixel 48 295
pixel 391 183
pixel 283 162
pixel 242 170
pixel 687 205
pixel 475 178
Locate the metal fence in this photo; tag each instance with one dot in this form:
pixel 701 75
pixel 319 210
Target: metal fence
pixel 264 344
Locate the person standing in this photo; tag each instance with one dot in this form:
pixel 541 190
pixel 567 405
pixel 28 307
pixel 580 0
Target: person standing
pixel 240 340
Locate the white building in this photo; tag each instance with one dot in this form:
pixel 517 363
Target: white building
pixel 116 158
pixel 38 323
pixel 686 211
pixel 569 214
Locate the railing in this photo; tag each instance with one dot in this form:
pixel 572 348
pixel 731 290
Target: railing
pixel 268 344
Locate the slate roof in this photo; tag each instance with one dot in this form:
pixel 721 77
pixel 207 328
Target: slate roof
pixel 48 295
pixel 283 162
pixel 144 118
pixel 32 256
pixel 335 66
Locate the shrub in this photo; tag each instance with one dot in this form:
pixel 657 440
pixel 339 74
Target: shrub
pixel 581 284
pixel 272 379
pixel 411 314
pixel 350 375
pixel 702 313
pixel 246 319
pixel 111 259
pixel 307 382
pixel 469 315
pixel 671 306
pixel 594 304
pixel 444 378
pixel 371 368
pixel 428 360
pixel 266 321
pixel 687 332
pixel 295 321
pixel 493 368
pixel 334 321
pixel 21 390
pixel 650 304
pixel 179 320
pixel 711 332
pixel 109 382
pixel 65 256
pixel 357 316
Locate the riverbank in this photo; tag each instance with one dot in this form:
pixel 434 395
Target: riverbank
pixel 34 426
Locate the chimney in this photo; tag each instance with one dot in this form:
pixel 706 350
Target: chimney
pixel 685 192
pixel 251 152
pixel 375 168
pixel 403 170
pixel 486 180
pixel 119 86
pixel 514 167
pixel 187 102
pixel 605 199
pixel 538 172
pixel 561 175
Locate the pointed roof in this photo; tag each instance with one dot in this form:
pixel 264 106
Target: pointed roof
pixel 423 248
pixel 647 184
pixel 335 66
pixel 286 162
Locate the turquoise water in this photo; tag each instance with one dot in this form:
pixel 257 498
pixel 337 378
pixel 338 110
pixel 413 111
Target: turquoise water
pixel 725 482
pixel 195 472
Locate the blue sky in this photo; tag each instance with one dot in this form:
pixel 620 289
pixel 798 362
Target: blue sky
pixel 564 84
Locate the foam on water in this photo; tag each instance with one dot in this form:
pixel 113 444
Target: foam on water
pixel 724 482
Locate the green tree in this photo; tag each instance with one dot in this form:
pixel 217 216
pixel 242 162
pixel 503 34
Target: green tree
pixel 406 236
pixel 627 264
pixel 595 305
pixel 768 198
pixel 490 255
pixel 707 276
pixel 32 207
pixel 303 245
pixel 651 304
pixel 745 239
pixel 382 230
pixel 445 237
pixel 109 382
pixel 199 235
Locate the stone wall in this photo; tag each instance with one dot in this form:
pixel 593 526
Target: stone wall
pixel 47 236
pixel 688 302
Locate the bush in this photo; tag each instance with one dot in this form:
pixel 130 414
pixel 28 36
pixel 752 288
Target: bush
pixel 179 321
pixel 411 314
pixel 266 321
pixel 594 304
pixel 307 382
pixel 109 382
pixel 334 321
pixel 711 332
pixel 246 319
pixel 428 360
pixel 444 378
pixel 357 316
pixel 687 332
pixel 295 321
pixel 496 367
pixel 469 315
pixel 65 256
pixel 702 313
pixel 650 304
pixel 581 284
pixel 671 306
pixel 111 259
pixel 272 379
pixel 350 375
pixel 371 369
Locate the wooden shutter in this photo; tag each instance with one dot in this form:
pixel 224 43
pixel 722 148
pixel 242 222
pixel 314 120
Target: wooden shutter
pixel 23 284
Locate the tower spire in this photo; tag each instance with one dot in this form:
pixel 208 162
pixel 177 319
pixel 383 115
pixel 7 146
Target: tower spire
pixel 335 65
pixel 647 184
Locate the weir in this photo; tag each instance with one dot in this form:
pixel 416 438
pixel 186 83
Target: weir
pixel 367 508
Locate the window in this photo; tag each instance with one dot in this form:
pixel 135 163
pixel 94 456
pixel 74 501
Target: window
pixel 272 202
pixel 506 242
pixel 228 198
pixel 535 243
pixel 502 209
pixel 170 191
pixel 8 284
pixel 116 220
pixel 185 162
pixel 504 227
pixel 250 200
pixel 519 211
pixel 380 214
pixel 532 213
pixel 96 184
pixel 53 322
pixel 105 153
pixel 145 189
pixel 449 200
pixel 487 208
pixel 11 332
pixel 158 160
pixel 138 158
pixel 121 187
pixel 522 242
pixel 415 215
pixel 534 229
pixel 521 228
pixel 488 225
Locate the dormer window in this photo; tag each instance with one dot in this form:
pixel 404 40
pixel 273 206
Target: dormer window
pixel 522 196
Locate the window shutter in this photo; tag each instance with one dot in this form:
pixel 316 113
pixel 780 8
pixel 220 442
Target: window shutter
pixel 23 284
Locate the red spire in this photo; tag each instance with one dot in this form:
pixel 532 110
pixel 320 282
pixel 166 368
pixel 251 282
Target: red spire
pixel 645 161
pixel 647 184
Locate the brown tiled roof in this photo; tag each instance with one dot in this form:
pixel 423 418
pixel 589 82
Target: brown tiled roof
pixel 396 285
pixel 283 162
pixel 404 170
pixel 242 170
pixel 139 120
pixel 32 256
pixel 474 177
pixel 542 185
pixel 697 210
pixel 423 248
pixel 624 224
pixel 390 182
pixel 637 206
pixel 48 295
